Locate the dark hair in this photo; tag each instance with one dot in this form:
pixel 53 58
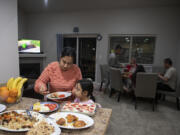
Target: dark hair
pixel 118 47
pixel 68 51
pixel 139 68
pixel 87 85
pixel 168 61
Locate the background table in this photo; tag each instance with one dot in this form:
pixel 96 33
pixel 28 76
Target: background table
pixel 101 120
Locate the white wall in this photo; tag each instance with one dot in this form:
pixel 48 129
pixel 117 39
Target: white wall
pixel 8 40
pixel 163 22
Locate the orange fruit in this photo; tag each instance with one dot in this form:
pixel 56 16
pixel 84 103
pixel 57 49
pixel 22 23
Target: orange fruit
pixel 4 93
pixel 3 88
pixel 13 93
pixel 11 100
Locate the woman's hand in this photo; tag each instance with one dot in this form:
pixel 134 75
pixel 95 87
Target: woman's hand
pixel 43 90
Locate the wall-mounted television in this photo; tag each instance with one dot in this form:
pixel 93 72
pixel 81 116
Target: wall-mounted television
pixel 29 46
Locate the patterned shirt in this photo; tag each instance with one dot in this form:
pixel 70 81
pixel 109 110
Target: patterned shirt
pixel 58 79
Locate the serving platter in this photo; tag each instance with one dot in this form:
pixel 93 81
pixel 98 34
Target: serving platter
pixel 36 115
pixel 88 120
pixel 39 117
pixel 88 109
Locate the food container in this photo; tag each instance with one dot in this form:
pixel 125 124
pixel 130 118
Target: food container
pixel 17 99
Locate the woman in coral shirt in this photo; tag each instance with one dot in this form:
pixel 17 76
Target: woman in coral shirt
pixel 61 76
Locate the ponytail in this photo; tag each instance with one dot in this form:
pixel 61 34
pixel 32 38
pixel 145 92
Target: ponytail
pixel 87 85
pixel 92 98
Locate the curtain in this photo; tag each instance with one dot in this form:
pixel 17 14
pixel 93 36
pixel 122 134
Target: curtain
pixel 59 45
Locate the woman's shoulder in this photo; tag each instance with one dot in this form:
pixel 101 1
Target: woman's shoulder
pixel 76 68
pixel 53 65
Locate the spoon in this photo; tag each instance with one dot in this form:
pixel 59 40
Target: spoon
pixel 29 114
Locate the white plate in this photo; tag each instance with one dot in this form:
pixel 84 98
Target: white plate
pixel 67 94
pixel 2 108
pixel 57 107
pixel 88 120
pixel 38 116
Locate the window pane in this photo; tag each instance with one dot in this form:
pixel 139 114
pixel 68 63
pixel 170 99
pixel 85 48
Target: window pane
pixel 143 49
pixel 122 55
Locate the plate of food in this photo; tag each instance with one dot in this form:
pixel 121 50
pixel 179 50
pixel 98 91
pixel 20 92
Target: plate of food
pixel 58 95
pixel 18 120
pixel 88 109
pixel 45 127
pixel 70 120
pixel 45 107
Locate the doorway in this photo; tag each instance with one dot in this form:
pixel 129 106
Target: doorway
pixel 85 46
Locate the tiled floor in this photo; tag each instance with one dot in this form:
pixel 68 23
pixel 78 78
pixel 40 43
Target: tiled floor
pixel 126 120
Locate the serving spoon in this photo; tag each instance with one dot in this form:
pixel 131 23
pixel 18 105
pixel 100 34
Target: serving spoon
pixel 29 114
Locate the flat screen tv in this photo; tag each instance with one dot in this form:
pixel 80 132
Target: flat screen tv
pixel 29 46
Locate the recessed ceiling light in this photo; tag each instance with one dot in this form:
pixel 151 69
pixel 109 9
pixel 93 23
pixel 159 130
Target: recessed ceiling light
pixel 46 3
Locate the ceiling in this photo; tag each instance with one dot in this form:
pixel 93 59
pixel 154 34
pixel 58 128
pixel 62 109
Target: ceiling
pixel 36 6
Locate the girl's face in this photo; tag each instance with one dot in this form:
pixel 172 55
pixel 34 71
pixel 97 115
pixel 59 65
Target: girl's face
pixel 79 93
pixel 66 63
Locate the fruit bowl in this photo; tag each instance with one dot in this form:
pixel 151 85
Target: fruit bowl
pixel 12 91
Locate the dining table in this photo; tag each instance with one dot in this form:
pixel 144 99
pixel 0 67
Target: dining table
pixel 101 119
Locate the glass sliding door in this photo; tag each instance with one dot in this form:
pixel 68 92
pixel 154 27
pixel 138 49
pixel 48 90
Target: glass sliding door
pixel 87 57
pixel 70 42
pixel 85 53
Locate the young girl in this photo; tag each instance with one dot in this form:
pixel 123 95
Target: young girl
pixel 84 92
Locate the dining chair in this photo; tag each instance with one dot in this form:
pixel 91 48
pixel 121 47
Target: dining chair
pixel 156 69
pixel 116 81
pixel 146 84
pixel 175 94
pixel 104 70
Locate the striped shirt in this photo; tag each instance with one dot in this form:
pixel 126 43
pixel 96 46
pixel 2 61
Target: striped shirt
pixel 58 79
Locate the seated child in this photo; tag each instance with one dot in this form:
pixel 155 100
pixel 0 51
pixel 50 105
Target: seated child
pixel 84 92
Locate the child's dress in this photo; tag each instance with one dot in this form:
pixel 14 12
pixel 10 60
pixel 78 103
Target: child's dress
pixel 77 100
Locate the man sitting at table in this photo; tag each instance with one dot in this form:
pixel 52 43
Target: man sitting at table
pixel 169 78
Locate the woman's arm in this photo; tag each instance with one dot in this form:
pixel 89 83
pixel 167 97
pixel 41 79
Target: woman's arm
pixel 41 82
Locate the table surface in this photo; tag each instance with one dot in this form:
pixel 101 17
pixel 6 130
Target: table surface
pixel 101 120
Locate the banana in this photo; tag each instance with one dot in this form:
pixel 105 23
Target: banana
pixel 16 81
pixel 10 81
pixel 19 86
pixel 11 84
